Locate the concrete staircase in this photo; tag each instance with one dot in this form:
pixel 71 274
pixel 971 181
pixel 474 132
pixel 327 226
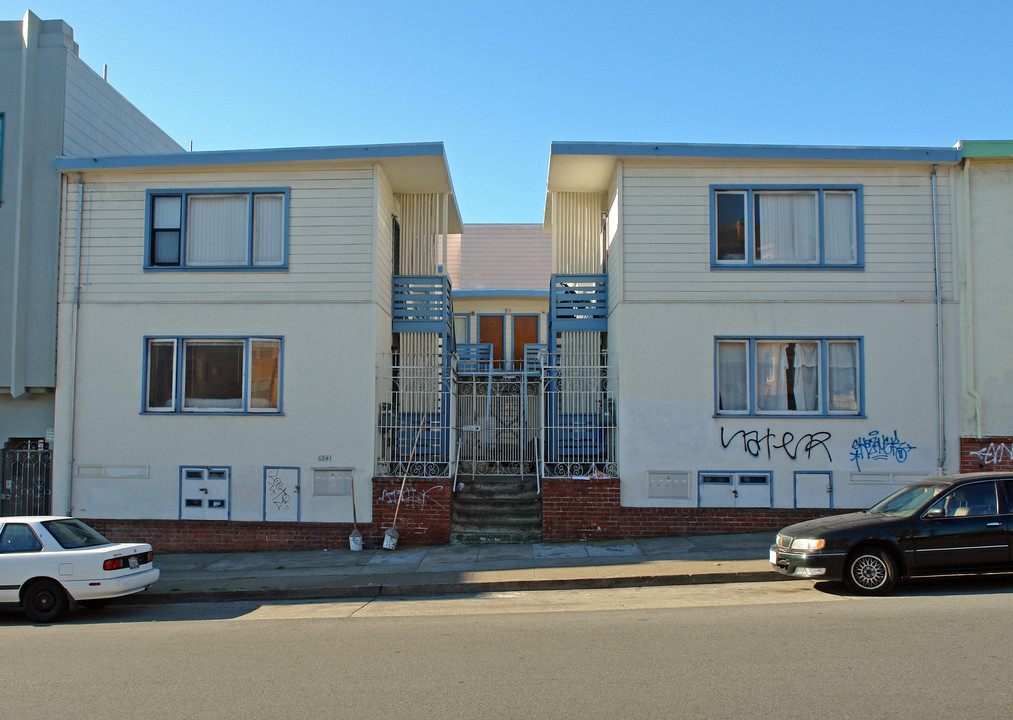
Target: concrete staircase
pixel 496 509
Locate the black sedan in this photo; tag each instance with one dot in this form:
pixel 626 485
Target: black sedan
pixel 941 525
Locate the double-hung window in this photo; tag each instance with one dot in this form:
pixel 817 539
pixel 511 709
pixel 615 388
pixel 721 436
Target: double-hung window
pixel 213 375
pixel 810 226
pixel 788 376
pixel 217 229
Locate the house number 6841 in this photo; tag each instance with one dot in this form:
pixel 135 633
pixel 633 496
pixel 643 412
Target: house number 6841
pixel 323 458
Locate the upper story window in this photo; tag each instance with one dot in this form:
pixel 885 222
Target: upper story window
pixel 788 376
pixel 217 229
pixel 786 227
pixel 213 375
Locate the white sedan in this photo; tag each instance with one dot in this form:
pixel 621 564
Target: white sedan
pixel 47 563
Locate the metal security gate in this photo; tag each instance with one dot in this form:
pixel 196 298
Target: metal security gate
pixel 498 423
pixel 27 478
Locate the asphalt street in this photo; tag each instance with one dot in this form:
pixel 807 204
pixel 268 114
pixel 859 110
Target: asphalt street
pixel 737 650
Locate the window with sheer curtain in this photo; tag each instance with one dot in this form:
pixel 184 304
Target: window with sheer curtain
pixel 785 376
pixel 805 226
pixel 213 375
pixel 217 229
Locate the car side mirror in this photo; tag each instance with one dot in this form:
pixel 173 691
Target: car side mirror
pixel 933 513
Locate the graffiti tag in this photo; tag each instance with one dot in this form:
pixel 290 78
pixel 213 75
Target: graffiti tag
pixel 755 443
pixel 879 446
pixel 413 497
pixel 277 489
pixel 994 453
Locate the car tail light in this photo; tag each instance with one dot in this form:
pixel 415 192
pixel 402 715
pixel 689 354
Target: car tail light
pixel 125 562
pixel 114 563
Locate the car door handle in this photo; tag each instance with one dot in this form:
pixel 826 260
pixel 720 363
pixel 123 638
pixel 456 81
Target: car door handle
pixel 993 524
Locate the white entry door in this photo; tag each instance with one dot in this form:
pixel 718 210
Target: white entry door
pixel 814 490
pixel 204 493
pixel 281 494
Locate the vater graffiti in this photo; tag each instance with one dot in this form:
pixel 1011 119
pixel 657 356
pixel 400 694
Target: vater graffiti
pixel 994 453
pixel 755 443
pixel 879 446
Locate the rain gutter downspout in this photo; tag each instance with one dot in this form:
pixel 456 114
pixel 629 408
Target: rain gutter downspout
pixel 939 327
pixel 73 325
pixel 971 386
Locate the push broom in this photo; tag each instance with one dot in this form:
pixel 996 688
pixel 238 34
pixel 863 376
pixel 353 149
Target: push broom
pixel 390 537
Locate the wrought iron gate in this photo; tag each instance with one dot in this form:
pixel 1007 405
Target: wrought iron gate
pixel 27 478
pixel 498 423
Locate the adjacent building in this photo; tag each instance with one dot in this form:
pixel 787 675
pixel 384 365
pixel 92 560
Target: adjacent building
pixel 51 105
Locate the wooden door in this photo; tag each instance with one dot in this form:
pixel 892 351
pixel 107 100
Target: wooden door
pixel 525 331
pixel 490 330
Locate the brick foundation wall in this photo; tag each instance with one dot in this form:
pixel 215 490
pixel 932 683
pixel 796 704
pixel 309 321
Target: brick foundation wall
pixel 589 509
pixel 991 453
pixel 424 519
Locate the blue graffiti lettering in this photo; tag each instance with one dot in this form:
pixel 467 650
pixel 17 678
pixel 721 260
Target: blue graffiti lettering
pixel 879 446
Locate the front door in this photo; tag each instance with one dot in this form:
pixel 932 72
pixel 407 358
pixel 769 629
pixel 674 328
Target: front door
pixel 490 330
pixel 27 478
pixel 970 534
pixel 525 331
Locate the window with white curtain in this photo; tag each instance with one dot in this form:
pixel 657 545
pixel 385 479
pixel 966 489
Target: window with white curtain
pixel 213 375
pixel 805 226
pixel 218 229
pixel 788 376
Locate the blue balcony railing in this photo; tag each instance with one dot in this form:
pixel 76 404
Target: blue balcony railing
pixel 421 304
pixel 578 303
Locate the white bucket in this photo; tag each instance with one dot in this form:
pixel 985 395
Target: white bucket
pixel 355 540
pixel 390 539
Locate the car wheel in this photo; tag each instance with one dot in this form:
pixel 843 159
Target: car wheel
pixel 44 600
pixel 871 572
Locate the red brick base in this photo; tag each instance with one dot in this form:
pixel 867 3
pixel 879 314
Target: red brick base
pixel 588 509
pixel 992 453
pixel 424 519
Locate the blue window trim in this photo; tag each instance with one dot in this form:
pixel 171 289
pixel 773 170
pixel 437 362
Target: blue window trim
pixel 750 263
pixel 298 483
pixel 794 502
pixel 824 411
pixel 182 472
pixel 177 408
pixel 733 481
pixel 183 193
pixel 467 328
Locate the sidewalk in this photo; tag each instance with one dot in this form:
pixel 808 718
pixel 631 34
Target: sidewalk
pixel 457 569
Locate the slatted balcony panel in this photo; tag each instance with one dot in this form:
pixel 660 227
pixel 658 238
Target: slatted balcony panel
pixel 474 358
pixel 421 304
pixel 578 303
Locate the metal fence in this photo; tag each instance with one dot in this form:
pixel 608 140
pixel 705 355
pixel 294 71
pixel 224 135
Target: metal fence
pixel 498 421
pixel 27 478
pixel 578 436
pixel 415 429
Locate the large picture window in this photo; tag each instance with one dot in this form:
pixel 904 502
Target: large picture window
pixel 213 375
pixel 788 376
pixel 776 227
pixel 218 229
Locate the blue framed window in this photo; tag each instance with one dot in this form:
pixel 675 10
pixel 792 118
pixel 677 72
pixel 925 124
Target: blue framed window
pixel 213 375
pixel 217 229
pixel 788 377
pixel 786 227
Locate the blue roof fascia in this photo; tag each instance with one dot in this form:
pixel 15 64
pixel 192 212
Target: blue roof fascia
pixel 500 293
pixel 229 157
pixel 759 152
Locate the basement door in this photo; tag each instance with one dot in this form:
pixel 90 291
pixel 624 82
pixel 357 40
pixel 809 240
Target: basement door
pixel 814 489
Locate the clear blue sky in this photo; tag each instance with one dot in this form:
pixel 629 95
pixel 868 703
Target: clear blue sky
pixel 497 81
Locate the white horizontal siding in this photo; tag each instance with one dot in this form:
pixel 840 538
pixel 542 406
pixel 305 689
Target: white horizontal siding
pixel 100 121
pixel 666 236
pixel 331 245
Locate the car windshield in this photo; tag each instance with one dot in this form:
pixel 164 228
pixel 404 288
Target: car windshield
pixel 906 501
pixel 72 533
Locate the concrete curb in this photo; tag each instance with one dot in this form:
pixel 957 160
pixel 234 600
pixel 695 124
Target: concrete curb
pixel 431 589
